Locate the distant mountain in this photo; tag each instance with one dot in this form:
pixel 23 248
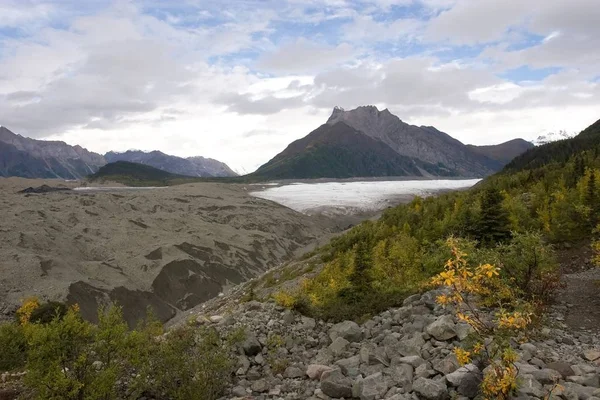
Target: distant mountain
pixel 340 151
pixel 553 137
pixel 30 158
pixel 424 143
pixel 192 166
pixel 135 174
pixel 368 142
pixel 503 152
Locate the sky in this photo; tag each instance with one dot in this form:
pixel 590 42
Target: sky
pixel 238 80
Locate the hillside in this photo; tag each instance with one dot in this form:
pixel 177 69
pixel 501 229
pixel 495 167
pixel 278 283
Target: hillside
pixel 192 166
pixel 557 152
pixel 134 174
pixel 339 151
pixel 503 152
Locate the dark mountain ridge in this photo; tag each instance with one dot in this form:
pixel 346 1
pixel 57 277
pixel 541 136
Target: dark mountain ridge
pixel 340 151
pixel 31 158
pixel 366 142
pixel 192 166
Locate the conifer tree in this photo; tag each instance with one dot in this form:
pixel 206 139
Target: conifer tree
pixel 493 225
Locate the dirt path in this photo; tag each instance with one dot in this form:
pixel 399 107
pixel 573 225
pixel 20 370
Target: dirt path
pixel 582 298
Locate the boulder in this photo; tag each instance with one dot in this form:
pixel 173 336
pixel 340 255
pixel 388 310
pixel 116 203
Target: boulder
pixel 546 376
pixel 430 389
pixel 338 346
pixel 293 372
pixel 562 367
pixel 457 377
pixel 335 384
pixel 401 375
pixel 349 366
pixel 443 328
pixel 260 386
pixel 251 345
pixel 348 330
pixel 370 388
pixel 591 355
pixel 314 371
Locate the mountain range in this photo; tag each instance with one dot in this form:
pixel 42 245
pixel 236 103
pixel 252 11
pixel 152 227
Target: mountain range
pixel 31 158
pixel 368 142
pixel 363 142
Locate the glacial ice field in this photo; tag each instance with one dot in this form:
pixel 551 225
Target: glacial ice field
pixel 350 197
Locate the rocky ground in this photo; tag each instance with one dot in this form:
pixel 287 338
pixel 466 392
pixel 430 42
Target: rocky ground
pixel 403 353
pixel 170 248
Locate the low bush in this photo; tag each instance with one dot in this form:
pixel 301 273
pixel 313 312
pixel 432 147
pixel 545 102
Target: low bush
pixel 13 345
pixel 68 358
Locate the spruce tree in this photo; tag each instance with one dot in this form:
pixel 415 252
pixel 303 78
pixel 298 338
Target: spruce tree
pixel 493 225
pixel 591 198
pixel 360 278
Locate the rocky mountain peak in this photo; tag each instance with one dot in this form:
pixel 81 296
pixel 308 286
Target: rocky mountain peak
pixel 367 119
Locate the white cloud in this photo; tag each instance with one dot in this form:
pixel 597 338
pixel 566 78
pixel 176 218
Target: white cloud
pixel 303 55
pixel 239 80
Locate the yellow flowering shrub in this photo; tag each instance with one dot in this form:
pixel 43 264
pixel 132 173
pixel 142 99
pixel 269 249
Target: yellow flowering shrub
pixel 284 299
pixel 469 290
pixel 27 308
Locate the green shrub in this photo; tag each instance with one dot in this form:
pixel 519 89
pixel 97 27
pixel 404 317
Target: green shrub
pixel 13 345
pixel 69 358
pixel 184 364
pixel 530 263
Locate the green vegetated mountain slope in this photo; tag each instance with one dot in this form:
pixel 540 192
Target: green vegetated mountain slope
pixel 134 174
pixel 550 195
pixel 503 152
pixel 339 151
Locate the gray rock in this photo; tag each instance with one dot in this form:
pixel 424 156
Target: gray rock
pixel 251 345
pixel 443 328
pixel 430 389
pixel 338 346
pixel 591 355
pixel 239 391
pixel 530 348
pixel 293 372
pixel 260 386
pixel 415 298
pixel 469 386
pixel 370 388
pixel 457 377
pixel 401 374
pixel 314 371
pixel 415 361
pixel 407 346
pixel 588 380
pixel 446 365
pixel 348 330
pixel 463 330
pixel 545 376
pixel 562 367
pixel 349 366
pixel 530 386
pixel 335 384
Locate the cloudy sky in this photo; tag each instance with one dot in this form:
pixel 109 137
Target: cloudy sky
pixel 237 80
